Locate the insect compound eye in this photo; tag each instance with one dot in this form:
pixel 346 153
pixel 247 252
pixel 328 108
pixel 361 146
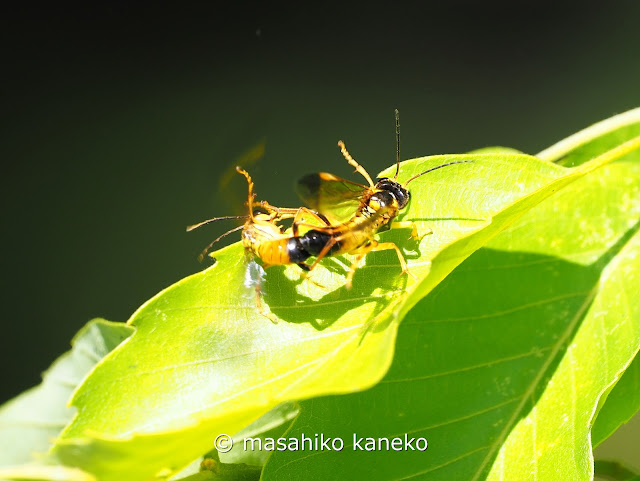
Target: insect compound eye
pixel 380 200
pixel 397 190
pixel 403 196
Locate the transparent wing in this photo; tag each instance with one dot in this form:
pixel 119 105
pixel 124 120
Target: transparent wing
pixel 336 198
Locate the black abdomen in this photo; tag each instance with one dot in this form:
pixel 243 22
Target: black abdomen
pixel 296 250
pixel 315 241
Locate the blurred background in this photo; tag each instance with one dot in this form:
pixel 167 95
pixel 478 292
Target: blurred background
pixel 121 125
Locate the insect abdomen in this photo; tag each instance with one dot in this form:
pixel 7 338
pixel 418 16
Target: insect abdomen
pixel 274 252
pixel 296 251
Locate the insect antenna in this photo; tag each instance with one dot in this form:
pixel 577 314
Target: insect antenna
pixel 204 222
pixel 438 167
pixel 206 249
pixel 397 144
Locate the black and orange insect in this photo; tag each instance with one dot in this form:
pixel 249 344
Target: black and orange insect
pixel 344 217
pixel 374 208
pixel 262 233
pixel 264 236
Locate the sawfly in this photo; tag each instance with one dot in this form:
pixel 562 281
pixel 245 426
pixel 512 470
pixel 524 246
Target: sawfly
pixel 263 236
pixel 262 233
pixel 357 212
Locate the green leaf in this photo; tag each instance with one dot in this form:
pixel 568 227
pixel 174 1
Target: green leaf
pixel 594 140
pixel 203 361
pixel 621 404
pixel 527 333
pixel 227 472
pixel 496 150
pixel 44 473
pixel 558 426
pixel 273 424
pixel 29 422
pixel 200 476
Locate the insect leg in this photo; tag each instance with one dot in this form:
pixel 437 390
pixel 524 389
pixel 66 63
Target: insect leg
pixel 274 213
pixel 327 228
pixel 250 202
pixel 261 308
pixel 254 276
pixel 301 214
pixel 354 164
pixel 381 246
pixel 414 229
pixel 298 214
pixel 325 250
pixel 352 270
pixel 306 275
pixel 376 246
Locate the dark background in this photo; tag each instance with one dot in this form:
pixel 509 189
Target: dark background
pixel 118 123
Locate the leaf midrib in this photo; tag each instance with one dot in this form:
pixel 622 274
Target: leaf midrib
pixel 535 382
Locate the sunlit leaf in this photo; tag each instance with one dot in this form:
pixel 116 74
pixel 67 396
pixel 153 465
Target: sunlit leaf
pixel 204 361
pixel 621 404
pixel 594 140
pixel 30 422
pixel 475 357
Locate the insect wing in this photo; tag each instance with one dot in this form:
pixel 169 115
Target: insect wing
pixel 336 198
pixel 254 275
